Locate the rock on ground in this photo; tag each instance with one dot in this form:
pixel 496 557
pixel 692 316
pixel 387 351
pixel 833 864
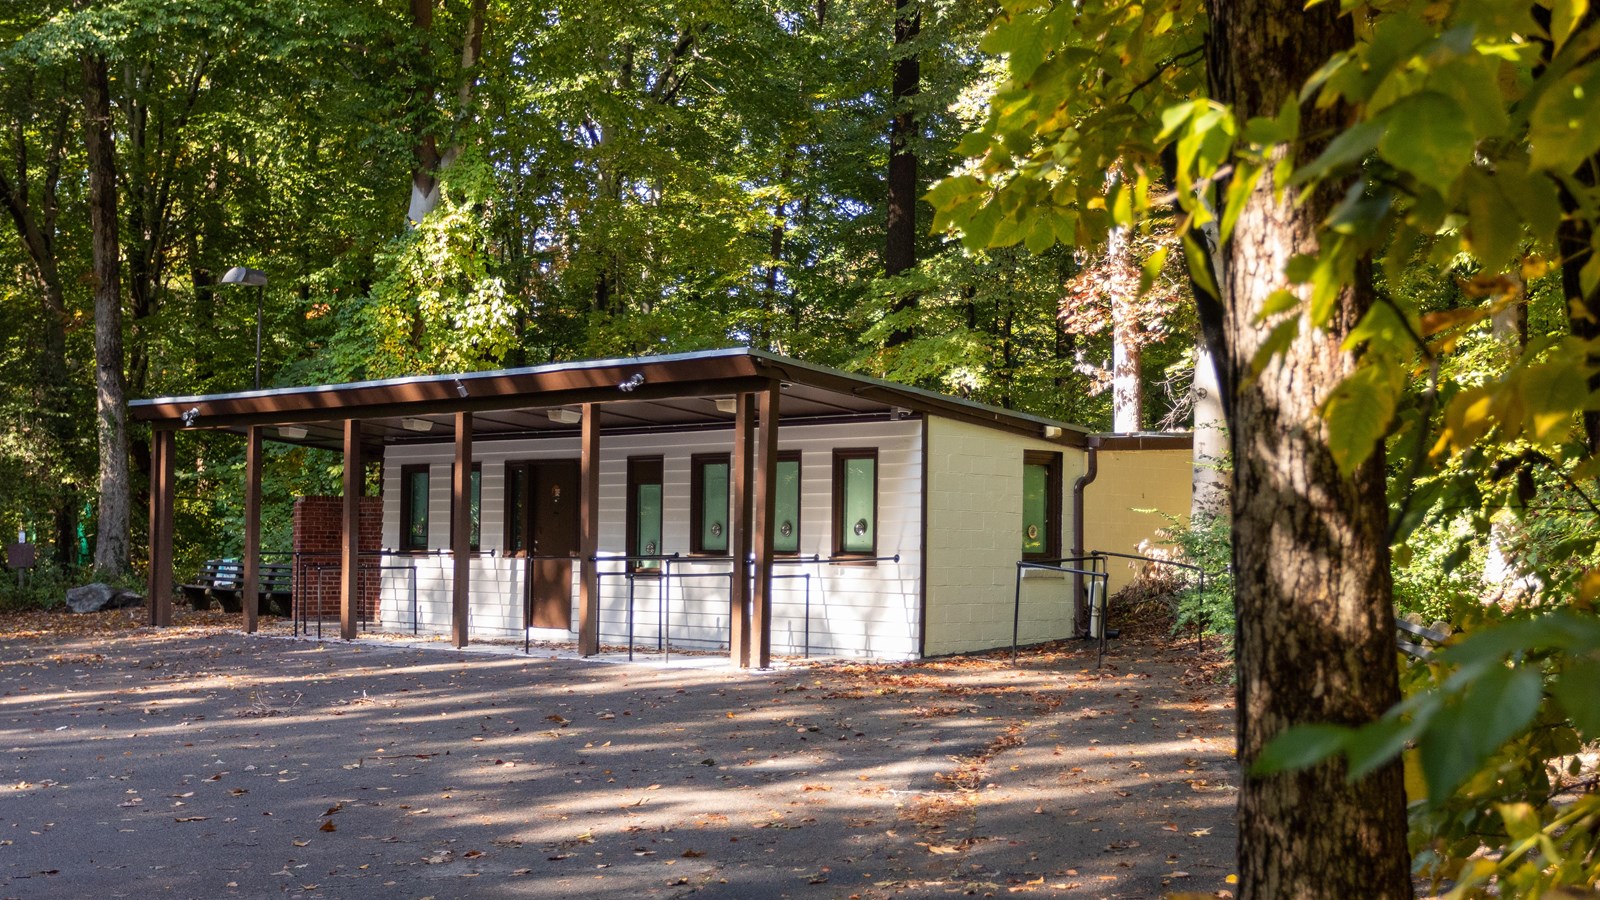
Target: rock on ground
pixel 90 598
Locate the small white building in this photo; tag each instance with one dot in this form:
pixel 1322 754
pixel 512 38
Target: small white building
pixel 610 500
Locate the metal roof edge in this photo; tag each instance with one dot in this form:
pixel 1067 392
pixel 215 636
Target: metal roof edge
pixel 933 399
pixel 572 366
pixel 1142 440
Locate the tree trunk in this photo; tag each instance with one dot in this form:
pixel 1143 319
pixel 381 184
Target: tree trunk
pixel 429 163
pixel 35 221
pixel 1127 371
pixel 1209 494
pixel 900 237
pixel 1315 640
pixel 111 543
pixel 1575 237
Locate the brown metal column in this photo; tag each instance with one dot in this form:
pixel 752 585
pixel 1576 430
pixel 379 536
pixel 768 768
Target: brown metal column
pixel 252 526
pixel 766 497
pixel 461 530
pixel 162 462
pixel 350 538
pixel 589 533
pixel 744 434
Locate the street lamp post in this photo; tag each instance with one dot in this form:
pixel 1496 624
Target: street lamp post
pixel 258 278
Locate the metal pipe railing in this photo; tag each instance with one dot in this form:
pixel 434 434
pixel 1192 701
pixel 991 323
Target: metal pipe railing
pixel 1200 621
pixel 1098 582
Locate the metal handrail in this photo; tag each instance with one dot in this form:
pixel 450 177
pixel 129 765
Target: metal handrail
pixel 1200 622
pixel 1094 596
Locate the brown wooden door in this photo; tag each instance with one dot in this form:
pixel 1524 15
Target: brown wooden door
pixel 553 511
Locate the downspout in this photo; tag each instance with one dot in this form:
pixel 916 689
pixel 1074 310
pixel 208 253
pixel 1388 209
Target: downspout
pixel 1080 610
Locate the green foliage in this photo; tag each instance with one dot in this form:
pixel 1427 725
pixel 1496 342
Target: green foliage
pixel 1468 138
pixel 1207 542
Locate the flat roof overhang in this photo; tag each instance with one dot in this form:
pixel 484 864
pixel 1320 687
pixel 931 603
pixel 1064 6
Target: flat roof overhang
pixel 672 392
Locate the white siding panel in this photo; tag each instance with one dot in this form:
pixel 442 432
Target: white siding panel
pixel 856 610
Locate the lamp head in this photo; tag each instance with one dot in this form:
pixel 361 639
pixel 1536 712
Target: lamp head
pixel 245 275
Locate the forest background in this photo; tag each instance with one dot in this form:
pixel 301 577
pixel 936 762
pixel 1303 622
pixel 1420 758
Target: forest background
pixel 436 187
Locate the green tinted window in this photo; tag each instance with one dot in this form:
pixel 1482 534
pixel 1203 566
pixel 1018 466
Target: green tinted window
pixel 860 506
pixel 786 531
pixel 1035 508
pixel 516 508
pixel 647 536
pixel 475 508
pixel 416 488
pixel 714 507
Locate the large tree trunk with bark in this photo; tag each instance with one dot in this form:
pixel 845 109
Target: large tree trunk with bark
pixel 111 550
pixel 1315 640
pixel 900 233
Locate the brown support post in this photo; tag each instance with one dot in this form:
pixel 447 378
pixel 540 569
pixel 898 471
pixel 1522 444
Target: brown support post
pixel 766 497
pixel 589 533
pixel 744 434
pixel 461 529
pixel 350 538
pixel 252 527
pixel 162 462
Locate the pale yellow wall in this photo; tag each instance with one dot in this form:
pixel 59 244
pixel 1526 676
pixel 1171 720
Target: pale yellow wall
pixel 975 539
pixel 1128 481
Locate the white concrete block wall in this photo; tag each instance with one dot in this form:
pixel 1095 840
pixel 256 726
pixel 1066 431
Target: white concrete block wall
pixel 975 539
pixel 855 610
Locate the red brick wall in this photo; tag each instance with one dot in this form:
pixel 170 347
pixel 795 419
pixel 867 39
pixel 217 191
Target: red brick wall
pixel 318 530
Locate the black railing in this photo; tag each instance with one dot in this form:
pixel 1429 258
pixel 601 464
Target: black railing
pixel 1200 620
pixel 665 575
pixel 1098 583
pixel 307 563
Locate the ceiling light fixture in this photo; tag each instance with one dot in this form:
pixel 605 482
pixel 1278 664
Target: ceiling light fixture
pixel 292 432
pixel 729 405
pixel 411 424
pixel 562 416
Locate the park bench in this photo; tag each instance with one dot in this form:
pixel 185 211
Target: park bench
pixel 1415 640
pixel 222 580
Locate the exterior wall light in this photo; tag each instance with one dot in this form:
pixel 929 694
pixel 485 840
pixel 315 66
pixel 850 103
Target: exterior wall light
pixel 632 382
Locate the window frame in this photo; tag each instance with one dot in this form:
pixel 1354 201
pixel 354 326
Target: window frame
pixel 697 503
pixel 631 524
pixel 407 496
pixel 841 456
pixel 509 497
pixel 477 469
pixel 1052 510
pixel 794 456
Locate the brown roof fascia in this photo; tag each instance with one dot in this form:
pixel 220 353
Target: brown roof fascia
pixel 1162 440
pixel 702 374
pixel 485 391
pixel 921 401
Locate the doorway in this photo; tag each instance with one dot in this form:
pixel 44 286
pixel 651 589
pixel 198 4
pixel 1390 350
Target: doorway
pixel 541 523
